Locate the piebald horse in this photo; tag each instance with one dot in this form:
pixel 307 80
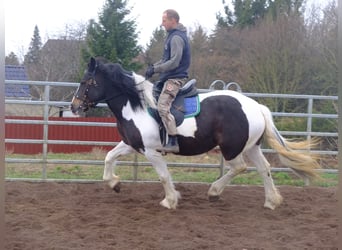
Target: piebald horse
pixel 228 119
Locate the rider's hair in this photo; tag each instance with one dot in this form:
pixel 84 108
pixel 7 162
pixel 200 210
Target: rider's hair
pixel 170 13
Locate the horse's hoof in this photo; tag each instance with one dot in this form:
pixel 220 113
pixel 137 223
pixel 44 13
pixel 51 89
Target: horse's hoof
pixel 169 205
pixel 213 198
pixel 117 188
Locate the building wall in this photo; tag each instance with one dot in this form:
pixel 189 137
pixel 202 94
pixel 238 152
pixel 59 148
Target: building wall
pixel 59 132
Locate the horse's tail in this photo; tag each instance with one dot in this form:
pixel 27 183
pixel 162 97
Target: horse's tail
pixel 293 154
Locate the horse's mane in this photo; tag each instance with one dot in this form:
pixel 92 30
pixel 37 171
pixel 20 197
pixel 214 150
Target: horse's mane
pixel 135 87
pixel 145 89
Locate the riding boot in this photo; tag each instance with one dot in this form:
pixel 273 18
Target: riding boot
pixel 172 145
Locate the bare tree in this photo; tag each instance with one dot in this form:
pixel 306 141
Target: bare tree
pixel 223 61
pixel 59 61
pixel 274 57
pixel 200 52
pixel 322 40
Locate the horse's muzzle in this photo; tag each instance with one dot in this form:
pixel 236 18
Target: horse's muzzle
pixel 77 105
pixel 73 109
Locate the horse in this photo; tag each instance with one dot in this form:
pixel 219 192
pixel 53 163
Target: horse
pixel 228 119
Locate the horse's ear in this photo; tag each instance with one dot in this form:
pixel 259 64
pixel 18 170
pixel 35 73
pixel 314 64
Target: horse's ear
pixel 92 64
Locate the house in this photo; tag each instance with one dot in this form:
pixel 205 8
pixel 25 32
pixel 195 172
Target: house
pixel 19 91
pixel 14 72
pixel 61 60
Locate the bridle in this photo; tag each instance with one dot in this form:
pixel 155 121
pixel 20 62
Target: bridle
pixel 86 104
pixel 91 82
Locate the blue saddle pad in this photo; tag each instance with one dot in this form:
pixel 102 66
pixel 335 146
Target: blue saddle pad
pixel 191 106
pixel 182 108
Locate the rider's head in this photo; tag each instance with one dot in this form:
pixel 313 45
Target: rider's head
pixel 170 19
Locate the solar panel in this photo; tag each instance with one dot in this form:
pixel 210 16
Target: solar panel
pixel 14 72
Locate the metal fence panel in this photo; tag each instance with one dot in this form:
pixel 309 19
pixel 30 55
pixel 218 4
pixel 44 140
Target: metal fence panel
pixel 47 139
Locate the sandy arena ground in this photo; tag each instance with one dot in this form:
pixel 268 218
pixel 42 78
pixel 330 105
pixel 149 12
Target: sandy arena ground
pixel 92 216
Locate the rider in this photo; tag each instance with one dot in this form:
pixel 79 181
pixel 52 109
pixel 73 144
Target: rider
pixel 173 73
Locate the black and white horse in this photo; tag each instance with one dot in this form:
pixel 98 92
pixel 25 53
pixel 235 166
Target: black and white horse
pixel 228 119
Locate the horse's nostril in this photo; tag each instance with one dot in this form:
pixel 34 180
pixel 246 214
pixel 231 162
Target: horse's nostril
pixel 74 109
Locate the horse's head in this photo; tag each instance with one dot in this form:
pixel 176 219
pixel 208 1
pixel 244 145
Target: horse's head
pixel 110 82
pixel 90 91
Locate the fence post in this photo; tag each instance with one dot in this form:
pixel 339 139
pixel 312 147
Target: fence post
pixel 309 121
pixel 135 167
pixel 45 129
pixel 222 166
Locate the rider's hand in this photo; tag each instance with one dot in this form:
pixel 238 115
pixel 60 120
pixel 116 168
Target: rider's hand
pixel 149 72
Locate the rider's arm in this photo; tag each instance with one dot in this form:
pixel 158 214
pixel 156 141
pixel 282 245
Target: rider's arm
pixel 177 45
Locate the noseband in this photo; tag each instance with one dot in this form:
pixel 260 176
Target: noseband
pixel 86 104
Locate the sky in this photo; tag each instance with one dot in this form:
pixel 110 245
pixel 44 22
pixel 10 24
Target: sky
pixel 51 17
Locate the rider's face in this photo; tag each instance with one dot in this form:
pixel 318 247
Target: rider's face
pixel 168 23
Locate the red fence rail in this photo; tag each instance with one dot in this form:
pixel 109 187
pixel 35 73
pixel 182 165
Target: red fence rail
pixel 59 132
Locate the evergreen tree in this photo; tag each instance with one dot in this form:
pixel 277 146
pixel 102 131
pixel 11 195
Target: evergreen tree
pixel 225 21
pixel 155 46
pixel 287 7
pixel 33 55
pixel 114 37
pixel 248 12
pixel 12 59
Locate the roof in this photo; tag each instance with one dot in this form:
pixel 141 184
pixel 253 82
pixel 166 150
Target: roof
pixel 14 72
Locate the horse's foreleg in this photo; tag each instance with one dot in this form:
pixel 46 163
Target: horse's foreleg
pixel 171 195
pixel 237 166
pixel 272 195
pixel 110 163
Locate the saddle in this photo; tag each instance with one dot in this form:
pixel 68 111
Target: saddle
pixel 186 104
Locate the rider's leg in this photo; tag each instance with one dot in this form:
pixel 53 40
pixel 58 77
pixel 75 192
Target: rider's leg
pixel 167 96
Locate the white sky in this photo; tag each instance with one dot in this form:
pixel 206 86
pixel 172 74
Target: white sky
pixel 51 17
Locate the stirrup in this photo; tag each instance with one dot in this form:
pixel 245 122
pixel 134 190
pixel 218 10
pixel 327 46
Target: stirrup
pixel 172 145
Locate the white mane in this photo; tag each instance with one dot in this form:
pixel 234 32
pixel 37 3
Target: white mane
pixel 146 88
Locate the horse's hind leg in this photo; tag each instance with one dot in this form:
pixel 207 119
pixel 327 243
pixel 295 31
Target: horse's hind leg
pixel 237 166
pixel 171 195
pixel 272 196
pixel 110 163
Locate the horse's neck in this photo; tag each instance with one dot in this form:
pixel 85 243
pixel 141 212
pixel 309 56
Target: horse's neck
pixel 124 109
pixel 121 105
pixel 117 106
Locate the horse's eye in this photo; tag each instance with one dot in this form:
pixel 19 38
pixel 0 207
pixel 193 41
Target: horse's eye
pixel 94 82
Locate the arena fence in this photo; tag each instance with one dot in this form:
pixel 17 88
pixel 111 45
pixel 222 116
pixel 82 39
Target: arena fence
pixel 47 104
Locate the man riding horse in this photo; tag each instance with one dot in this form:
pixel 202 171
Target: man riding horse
pixel 173 69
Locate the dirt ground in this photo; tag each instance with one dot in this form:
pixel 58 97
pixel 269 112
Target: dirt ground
pixel 91 216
